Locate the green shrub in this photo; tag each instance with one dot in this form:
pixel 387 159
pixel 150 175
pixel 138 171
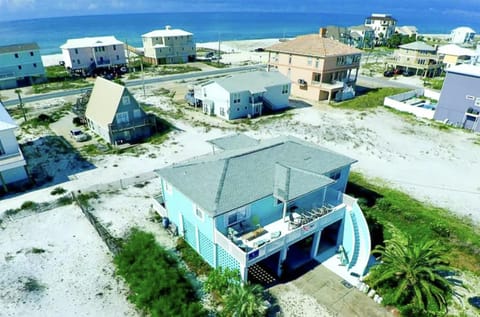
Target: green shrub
pixel 32 285
pixel 58 191
pixel 29 205
pixel 158 286
pixel 193 260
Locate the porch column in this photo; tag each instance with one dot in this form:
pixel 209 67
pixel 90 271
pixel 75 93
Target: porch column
pixel 215 255
pixel 315 244
pixel 4 184
pixel 197 239
pixel 180 226
pixel 244 273
pixel 281 259
pixel 284 214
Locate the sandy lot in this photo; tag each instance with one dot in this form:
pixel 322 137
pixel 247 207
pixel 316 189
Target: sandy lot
pixel 439 167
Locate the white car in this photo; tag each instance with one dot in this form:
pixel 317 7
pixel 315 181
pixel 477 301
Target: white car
pixel 78 135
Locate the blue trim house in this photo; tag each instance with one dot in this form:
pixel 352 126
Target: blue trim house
pixel 275 204
pixel 459 102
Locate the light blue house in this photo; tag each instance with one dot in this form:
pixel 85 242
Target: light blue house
pixel 20 65
pixel 266 206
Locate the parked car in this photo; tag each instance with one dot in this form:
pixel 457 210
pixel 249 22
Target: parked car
pixel 78 135
pixel 388 73
pixel 408 73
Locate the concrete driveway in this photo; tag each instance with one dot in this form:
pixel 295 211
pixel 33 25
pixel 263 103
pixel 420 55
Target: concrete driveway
pixel 63 126
pixel 326 288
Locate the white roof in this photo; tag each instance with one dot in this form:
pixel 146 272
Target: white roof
pixel 465 29
pixel 6 122
pixel 465 69
pixel 455 50
pixel 91 42
pixel 166 32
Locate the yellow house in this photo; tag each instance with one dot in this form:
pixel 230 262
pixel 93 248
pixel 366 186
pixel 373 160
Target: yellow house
pixel 453 54
pixel 319 68
pixel 417 58
pixel 168 46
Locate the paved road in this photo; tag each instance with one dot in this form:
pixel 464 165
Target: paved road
pixel 136 82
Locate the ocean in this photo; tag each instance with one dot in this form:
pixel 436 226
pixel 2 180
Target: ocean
pixel 50 33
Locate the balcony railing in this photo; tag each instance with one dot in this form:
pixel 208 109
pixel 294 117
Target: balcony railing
pixel 8 161
pixel 251 246
pixel 149 120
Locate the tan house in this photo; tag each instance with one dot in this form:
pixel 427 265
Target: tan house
pixel 318 67
pixel 168 46
pixel 418 58
pixel 453 54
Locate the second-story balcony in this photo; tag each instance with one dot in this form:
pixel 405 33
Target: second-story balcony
pixel 148 120
pixel 12 160
pixel 248 244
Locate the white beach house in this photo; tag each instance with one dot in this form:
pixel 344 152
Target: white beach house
pixel 20 65
pixel 244 95
pixel 462 35
pixel 168 46
pixel 12 162
pixel 89 53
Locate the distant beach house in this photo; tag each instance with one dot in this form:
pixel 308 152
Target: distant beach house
pixel 114 114
pixel 244 95
pixel 168 46
pixel 452 54
pixel 86 55
pixel 407 30
pixel 383 25
pixel 20 65
pixel 266 206
pixel 459 102
pixel 12 162
pixel 363 36
pixel 462 35
pixel 318 67
pixel 418 58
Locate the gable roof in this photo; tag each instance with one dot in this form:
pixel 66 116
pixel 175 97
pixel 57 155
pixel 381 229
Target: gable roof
pixel 18 47
pixel 6 121
pixel 234 178
pixel 91 42
pixel 254 82
pixel 234 141
pixel 313 45
pixel 418 46
pixel 104 101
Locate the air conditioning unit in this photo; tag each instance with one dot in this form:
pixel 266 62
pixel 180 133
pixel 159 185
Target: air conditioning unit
pixel 302 82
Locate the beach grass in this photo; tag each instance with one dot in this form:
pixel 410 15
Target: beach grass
pixel 371 99
pixel 385 207
pixel 60 85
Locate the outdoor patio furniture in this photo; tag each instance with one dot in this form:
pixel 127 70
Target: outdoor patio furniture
pixel 254 234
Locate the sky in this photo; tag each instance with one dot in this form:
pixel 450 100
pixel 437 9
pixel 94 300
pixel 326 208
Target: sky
pixel 28 9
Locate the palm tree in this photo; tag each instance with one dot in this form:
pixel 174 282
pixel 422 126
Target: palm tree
pixel 244 301
pixel 411 275
pixel 18 91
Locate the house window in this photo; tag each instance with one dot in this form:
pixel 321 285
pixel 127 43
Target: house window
pixel 290 59
pixel 469 97
pixel 137 113
pixel 309 61
pixel 285 89
pixel 78 61
pixel 31 53
pixel 236 98
pixel 114 47
pixel 19 66
pixel 118 57
pixel 76 51
pixel 316 63
pixel 2 150
pixel 222 111
pixel 317 77
pixel 122 117
pixel 126 100
pixel 16 55
pixel 199 212
pixel 237 216
pixel 335 175
pixel 35 65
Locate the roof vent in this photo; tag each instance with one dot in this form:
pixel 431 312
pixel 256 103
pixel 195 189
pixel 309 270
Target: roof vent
pixel 168 27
